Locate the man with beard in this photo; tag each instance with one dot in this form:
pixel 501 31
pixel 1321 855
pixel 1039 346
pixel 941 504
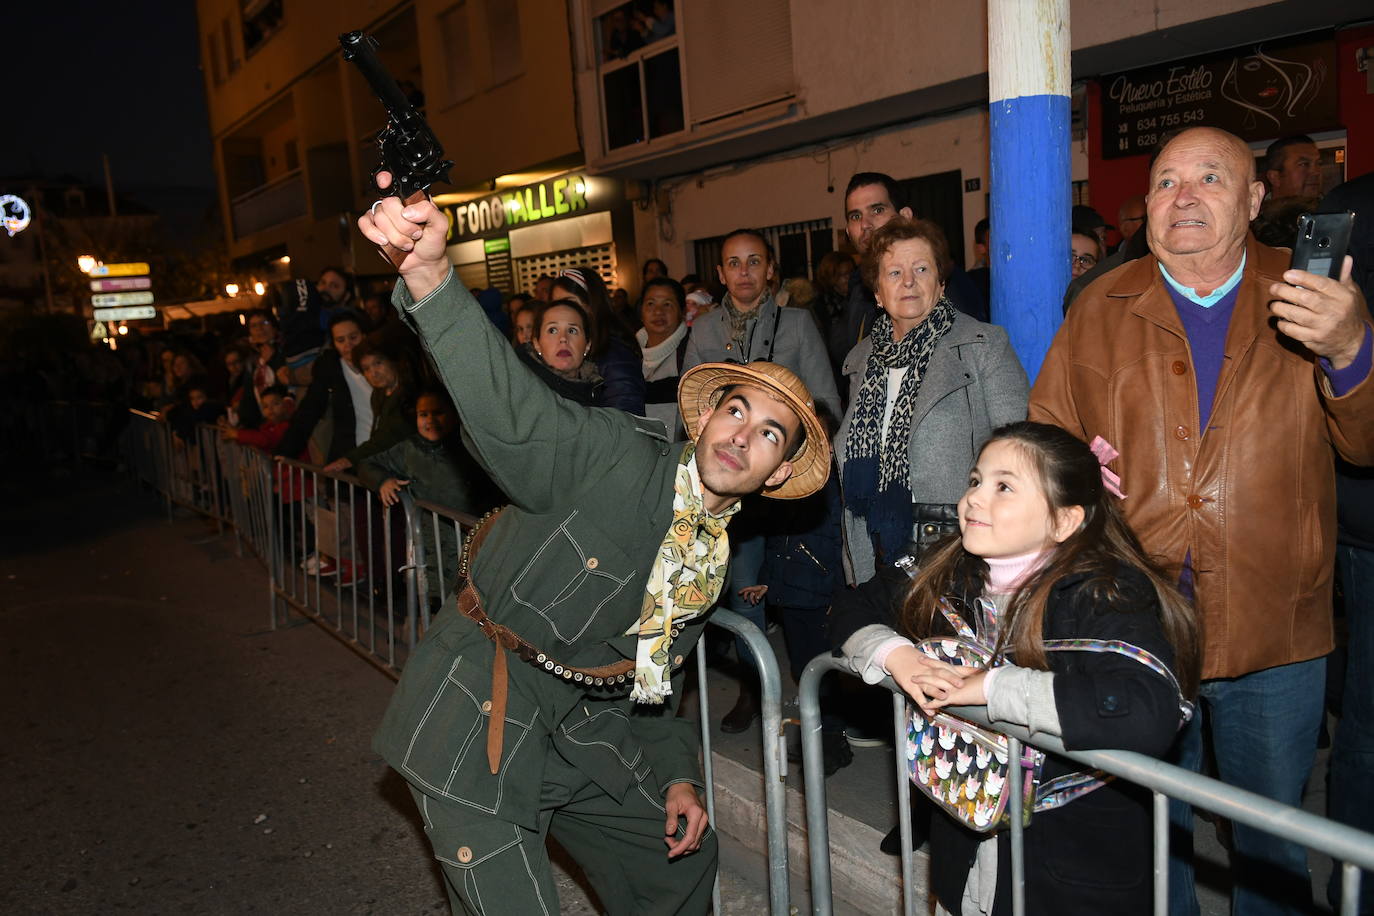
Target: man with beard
pixel 546 702
pixel 871 201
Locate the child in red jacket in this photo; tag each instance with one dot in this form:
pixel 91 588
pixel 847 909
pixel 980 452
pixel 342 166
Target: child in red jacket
pixel 277 408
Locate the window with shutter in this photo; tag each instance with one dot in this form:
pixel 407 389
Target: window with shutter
pixel 739 56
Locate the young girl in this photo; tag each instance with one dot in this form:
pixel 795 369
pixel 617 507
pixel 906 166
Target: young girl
pixel 1043 540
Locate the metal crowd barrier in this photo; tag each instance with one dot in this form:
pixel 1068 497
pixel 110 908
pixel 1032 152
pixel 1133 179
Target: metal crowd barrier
pixel 319 515
pixel 146 452
pixel 188 473
pixel 286 510
pixel 1353 849
pixel 774 751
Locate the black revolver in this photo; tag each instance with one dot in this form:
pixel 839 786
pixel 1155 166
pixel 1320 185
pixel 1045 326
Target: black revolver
pixel 407 147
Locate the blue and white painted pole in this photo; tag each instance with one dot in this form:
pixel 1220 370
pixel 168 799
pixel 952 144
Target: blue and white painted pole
pixel 1028 92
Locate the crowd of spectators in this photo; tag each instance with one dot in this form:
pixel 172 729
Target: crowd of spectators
pixel 895 341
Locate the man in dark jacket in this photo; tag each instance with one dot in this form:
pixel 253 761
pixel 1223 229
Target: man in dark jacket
pixel 547 702
pixel 1351 796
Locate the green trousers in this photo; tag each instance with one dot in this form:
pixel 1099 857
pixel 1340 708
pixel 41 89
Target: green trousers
pixel 493 867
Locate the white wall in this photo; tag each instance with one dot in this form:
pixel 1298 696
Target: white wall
pixel 862 50
pixel 793 189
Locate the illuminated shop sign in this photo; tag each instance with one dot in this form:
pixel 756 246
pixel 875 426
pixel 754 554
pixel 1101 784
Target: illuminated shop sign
pixel 1271 89
pixel 547 200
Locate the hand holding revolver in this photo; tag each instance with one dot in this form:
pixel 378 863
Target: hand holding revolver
pixel 418 231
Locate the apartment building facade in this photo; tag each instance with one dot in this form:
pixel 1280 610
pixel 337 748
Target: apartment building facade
pixel 294 131
pixel 758 113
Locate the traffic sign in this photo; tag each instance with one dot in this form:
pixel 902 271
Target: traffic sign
pixel 130 313
pixel 111 286
pixel 107 299
pixel 132 269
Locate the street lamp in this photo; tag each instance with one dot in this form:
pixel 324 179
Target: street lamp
pixel 86 263
pixel 259 288
pixel 231 289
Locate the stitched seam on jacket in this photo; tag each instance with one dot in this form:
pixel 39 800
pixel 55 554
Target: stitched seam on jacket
pixel 525 729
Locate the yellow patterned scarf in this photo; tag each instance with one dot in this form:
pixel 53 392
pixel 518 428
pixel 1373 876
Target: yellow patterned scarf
pixel 684 582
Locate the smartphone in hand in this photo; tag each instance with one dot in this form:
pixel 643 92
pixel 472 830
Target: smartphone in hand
pixel 1321 243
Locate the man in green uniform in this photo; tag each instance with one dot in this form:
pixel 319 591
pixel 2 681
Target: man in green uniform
pixel 547 701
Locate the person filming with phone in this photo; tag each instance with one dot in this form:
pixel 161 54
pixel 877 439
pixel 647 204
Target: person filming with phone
pixel 1224 378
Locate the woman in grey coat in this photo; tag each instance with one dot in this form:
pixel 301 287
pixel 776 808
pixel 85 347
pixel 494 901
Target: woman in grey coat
pixel 927 386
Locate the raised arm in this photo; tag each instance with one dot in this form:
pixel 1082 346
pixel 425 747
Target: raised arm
pixel 538 447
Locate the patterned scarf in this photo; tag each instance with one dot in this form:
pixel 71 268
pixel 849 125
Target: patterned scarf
pixel 684 582
pixel 739 321
pixel 877 474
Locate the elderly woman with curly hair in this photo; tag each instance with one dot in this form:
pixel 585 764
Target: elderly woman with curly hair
pixel 927 387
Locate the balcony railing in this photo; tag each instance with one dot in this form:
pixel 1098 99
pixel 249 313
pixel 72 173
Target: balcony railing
pixel 279 201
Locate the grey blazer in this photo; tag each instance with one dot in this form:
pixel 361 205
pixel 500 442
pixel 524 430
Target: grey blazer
pixel 974 384
pixel 798 346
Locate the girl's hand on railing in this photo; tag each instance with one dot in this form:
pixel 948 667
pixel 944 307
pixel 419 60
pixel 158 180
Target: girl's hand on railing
pixel 390 491
pixel 340 464
pixel 972 693
pixel 922 678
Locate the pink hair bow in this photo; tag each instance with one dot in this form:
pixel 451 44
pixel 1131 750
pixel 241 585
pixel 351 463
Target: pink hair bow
pixel 1105 452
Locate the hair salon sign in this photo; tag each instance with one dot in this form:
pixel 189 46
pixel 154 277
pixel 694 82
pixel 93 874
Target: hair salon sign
pixel 1257 92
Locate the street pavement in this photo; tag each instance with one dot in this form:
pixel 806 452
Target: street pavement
pixel 165 751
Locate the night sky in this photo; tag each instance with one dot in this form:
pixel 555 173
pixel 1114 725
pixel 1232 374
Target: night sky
pixel 89 77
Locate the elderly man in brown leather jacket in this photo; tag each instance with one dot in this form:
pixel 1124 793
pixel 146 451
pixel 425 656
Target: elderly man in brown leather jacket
pixel 1225 381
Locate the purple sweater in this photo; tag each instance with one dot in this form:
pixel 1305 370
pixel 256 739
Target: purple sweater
pixel 1206 329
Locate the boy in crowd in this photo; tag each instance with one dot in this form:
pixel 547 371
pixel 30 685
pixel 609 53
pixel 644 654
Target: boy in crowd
pixel 277 408
pixel 196 409
pixel 435 466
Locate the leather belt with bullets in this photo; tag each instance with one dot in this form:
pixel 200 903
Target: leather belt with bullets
pixel 605 677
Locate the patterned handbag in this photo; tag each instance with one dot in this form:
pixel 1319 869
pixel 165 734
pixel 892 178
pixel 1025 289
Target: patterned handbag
pixel 964 767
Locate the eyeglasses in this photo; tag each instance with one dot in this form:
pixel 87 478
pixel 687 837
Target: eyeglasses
pixel 1083 260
